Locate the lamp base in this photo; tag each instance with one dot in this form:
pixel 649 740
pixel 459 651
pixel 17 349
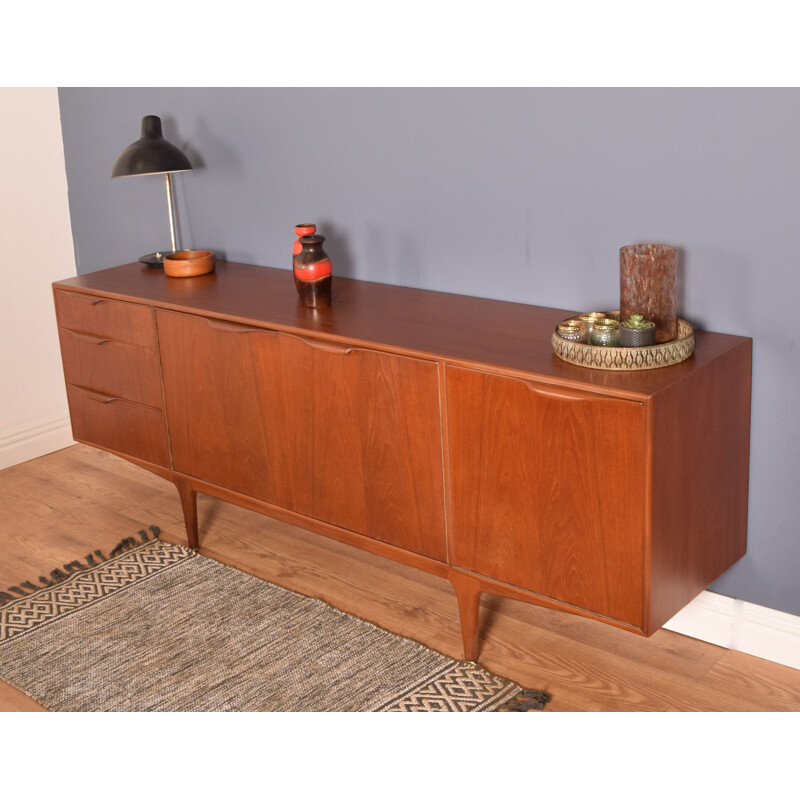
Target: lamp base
pixel 155 259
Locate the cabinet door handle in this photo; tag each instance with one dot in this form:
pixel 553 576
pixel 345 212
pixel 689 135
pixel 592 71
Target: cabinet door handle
pixel 328 347
pixel 234 327
pixel 98 397
pixel 566 394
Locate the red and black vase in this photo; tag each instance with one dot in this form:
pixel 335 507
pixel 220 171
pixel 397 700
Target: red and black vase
pixel 312 268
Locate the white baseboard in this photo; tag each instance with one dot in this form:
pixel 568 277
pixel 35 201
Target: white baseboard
pixel 32 441
pixel 739 625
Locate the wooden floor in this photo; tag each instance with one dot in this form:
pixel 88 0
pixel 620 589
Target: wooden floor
pixel 61 506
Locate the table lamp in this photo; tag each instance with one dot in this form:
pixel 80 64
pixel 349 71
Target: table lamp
pixel 152 154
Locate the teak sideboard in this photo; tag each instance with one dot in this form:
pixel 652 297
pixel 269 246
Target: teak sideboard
pixel 434 429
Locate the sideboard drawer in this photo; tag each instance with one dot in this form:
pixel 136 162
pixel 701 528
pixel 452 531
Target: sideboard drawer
pixel 117 424
pixel 114 368
pixel 114 319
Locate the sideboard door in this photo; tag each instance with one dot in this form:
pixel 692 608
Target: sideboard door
pixel 230 423
pixel 348 436
pixel 376 442
pixel 548 490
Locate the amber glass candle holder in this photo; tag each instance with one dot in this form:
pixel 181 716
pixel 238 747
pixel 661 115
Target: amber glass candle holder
pixel 648 286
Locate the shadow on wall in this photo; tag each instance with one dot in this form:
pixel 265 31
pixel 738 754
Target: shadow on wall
pixel 202 148
pixel 405 269
pixel 709 283
pixel 680 274
pixel 181 197
pixel 337 246
pixel 170 128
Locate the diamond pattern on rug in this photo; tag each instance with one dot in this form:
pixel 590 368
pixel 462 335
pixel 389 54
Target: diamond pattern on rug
pixel 83 588
pixel 464 687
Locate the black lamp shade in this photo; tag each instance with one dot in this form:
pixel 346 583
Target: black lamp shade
pixel 150 155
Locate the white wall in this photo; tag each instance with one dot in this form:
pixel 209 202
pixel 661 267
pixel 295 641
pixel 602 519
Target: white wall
pixel 36 249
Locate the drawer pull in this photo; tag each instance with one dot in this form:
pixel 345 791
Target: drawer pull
pixel 98 397
pixel 88 337
pixel 92 301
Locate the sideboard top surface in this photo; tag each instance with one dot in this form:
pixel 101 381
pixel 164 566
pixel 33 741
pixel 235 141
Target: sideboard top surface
pixel 468 330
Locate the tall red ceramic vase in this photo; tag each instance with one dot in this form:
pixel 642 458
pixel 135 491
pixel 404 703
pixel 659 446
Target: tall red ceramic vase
pixel 313 272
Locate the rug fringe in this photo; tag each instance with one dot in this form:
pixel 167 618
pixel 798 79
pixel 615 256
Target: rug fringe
pixel 526 700
pixel 92 560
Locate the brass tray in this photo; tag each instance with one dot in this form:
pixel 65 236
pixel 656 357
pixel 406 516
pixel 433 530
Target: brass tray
pixel 627 358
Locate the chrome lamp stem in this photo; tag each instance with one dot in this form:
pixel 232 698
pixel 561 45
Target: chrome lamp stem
pixel 167 180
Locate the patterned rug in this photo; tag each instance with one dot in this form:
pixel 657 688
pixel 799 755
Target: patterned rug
pixel 157 627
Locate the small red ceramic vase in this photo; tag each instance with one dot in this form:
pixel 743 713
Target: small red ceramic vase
pixel 303 229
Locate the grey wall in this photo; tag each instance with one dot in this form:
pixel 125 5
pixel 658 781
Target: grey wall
pixel 522 195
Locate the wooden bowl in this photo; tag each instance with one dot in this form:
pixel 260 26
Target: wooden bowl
pixel 189 263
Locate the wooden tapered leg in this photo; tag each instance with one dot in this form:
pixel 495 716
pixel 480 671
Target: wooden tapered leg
pixel 468 593
pixel 189 503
